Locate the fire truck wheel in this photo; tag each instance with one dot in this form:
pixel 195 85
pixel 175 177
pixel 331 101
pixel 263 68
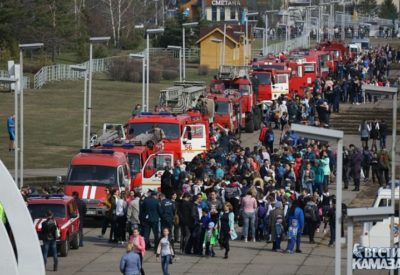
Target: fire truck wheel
pixel 249 123
pixel 75 242
pixel 64 249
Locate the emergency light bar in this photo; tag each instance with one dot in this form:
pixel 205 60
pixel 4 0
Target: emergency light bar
pixel 97 151
pixel 47 196
pixel 126 145
pixel 155 114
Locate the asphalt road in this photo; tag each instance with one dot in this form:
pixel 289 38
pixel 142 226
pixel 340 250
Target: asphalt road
pixel 100 257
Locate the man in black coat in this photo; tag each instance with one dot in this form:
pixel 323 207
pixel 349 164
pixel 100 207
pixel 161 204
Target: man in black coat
pixel 167 211
pixel 188 215
pixel 150 212
pixel 48 235
pixel 167 183
pixel 82 213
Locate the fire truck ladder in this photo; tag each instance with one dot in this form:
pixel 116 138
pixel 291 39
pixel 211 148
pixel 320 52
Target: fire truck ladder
pixel 180 97
pixel 228 72
pixel 111 133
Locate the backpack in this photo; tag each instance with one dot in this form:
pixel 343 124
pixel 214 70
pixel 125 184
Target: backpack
pixel 270 136
pixel 231 192
pixel 262 211
pixel 263 132
pixel 309 212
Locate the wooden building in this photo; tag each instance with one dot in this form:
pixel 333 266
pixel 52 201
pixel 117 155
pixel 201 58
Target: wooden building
pixel 211 46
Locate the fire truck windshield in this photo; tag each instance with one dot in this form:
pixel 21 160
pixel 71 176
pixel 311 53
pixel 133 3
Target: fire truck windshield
pixel 308 67
pixel 134 162
pixel 217 88
pixel 92 174
pixel 39 211
pixel 244 89
pixel 221 107
pixel 171 130
pixel 263 78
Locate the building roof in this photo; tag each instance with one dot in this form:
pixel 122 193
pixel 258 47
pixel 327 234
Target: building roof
pixel 230 32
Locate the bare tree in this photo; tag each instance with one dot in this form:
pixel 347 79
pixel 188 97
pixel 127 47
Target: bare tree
pixel 117 11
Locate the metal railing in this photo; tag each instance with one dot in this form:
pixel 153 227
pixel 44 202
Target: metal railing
pixel 298 42
pixel 63 71
pixel 190 53
pixel 27 80
pixel 349 20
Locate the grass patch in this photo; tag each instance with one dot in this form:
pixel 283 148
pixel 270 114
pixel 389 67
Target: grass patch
pixel 53 116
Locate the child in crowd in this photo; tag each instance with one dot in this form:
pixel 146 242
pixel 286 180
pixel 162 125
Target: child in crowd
pixel 210 239
pixel 292 235
pixel 279 232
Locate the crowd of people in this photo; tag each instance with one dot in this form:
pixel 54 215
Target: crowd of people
pixel 276 192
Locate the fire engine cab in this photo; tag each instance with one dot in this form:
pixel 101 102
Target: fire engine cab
pixel 91 172
pixel 321 58
pixel 271 80
pixel 66 215
pixel 337 51
pixel 228 111
pixel 237 78
pixel 137 156
pixel 303 74
pixel 185 135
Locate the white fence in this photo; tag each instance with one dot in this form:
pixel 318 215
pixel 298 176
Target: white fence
pixel 63 71
pixel 27 81
pixel 348 20
pixel 298 42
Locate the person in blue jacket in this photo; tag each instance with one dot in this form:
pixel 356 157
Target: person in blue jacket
pixel 11 132
pixel 297 213
pixel 130 261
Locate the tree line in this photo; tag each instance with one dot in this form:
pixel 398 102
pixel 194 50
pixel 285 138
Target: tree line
pixel 66 25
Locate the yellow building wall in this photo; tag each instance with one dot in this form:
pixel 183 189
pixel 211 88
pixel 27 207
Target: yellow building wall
pixel 210 52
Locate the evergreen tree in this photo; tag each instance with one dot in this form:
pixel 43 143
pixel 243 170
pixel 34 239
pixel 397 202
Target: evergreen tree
pixel 388 10
pixel 53 24
pixel 367 7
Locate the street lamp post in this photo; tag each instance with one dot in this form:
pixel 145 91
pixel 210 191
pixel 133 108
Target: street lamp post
pixel 148 32
pixel 224 43
pixel 379 91
pixel 143 58
pixel 8 80
pixel 220 42
pixel 336 137
pixel 184 26
pixel 23 47
pixel 244 49
pixel 179 48
pixel 82 69
pixel 263 37
pixel 247 35
pixel 92 40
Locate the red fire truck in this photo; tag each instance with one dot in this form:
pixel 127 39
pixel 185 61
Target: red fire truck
pixel 228 111
pixel 185 135
pixel 236 79
pixel 92 171
pixel 137 156
pixel 271 80
pixel 337 50
pixel 303 74
pixel 321 59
